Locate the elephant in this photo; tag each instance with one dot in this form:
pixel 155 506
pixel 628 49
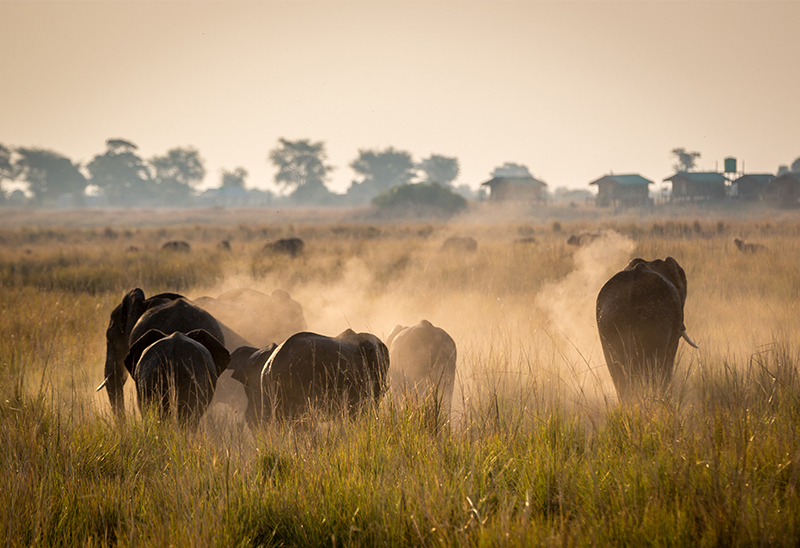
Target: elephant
pixel 246 366
pixel 180 369
pixel 422 360
pixel 257 317
pixel 640 322
pixel 293 247
pixel 178 246
pixel 460 244
pixel 329 373
pixel 132 318
pixel 582 239
pixel 250 318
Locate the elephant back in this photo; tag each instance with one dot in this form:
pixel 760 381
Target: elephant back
pixel 177 316
pixel 312 368
pixel 422 361
pixel 639 295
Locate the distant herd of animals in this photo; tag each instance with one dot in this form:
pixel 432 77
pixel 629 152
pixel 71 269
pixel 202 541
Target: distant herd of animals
pixel 177 350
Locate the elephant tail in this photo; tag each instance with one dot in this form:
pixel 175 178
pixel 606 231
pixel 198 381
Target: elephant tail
pixel 686 338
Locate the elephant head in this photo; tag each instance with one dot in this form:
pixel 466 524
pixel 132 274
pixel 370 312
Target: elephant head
pixel 640 321
pixel 120 325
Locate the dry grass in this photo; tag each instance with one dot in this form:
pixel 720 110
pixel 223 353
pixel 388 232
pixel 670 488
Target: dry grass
pixel 537 451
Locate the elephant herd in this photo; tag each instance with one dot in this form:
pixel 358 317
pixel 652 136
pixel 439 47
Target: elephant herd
pixel 176 350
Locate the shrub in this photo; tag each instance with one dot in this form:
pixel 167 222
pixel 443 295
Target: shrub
pixel 420 197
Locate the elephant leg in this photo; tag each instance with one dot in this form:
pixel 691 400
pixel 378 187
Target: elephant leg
pixel 618 354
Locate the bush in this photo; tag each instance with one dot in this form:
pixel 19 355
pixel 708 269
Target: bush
pixel 421 196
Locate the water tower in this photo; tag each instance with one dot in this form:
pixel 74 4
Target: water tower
pixel 732 174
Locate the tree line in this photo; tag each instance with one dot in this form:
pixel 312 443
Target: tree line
pixel 126 179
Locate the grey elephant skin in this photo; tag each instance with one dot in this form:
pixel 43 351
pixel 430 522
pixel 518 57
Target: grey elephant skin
pixel 422 362
pixel 246 366
pixel 640 322
pixel 177 369
pixel 331 374
pixel 132 318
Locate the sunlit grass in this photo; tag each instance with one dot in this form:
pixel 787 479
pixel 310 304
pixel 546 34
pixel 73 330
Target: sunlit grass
pixel 538 451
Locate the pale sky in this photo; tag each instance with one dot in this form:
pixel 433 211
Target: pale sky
pixel 572 90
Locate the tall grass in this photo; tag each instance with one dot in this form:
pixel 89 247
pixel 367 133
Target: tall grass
pixel 537 451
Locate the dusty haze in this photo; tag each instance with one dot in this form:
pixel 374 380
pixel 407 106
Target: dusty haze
pixel 573 90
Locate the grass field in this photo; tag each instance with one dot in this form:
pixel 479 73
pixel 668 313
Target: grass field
pixel 537 450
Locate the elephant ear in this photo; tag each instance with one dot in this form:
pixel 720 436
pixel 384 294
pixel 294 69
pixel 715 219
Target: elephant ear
pixel 677 276
pixel 138 348
pixel 130 310
pixel 634 263
pixel 240 360
pixel 218 352
pixel 397 329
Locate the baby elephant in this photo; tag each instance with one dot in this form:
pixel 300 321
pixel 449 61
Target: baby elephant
pixel 423 362
pixel 178 369
pixel 246 366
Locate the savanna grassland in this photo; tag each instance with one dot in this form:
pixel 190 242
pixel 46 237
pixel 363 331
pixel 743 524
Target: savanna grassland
pixel 537 450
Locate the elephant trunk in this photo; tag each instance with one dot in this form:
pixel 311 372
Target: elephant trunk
pixel 115 377
pixel 688 340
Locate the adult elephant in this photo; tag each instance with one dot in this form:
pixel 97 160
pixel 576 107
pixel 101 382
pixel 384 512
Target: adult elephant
pixel 640 321
pixel 422 362
pixel 328 373
pixel 257 317
pixel 177 369
pixel 135 316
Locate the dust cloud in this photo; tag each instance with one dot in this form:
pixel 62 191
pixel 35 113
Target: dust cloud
pixel 569 306
pixel 517 344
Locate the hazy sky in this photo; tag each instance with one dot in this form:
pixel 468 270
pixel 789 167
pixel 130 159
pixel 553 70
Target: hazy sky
pixel 570 89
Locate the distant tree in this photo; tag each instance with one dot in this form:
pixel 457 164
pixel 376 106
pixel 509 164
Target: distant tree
pixel 422 198
pixel 176 173
pixel 439 169
pixel 121 173
pixel 510 169
pixel 235 178
pixel 49 174
pixel 380 171
pixel 783 170
pixel 7 171
pixel 302 168
pixel 120 144
pixel 795 167
pixel 685 161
